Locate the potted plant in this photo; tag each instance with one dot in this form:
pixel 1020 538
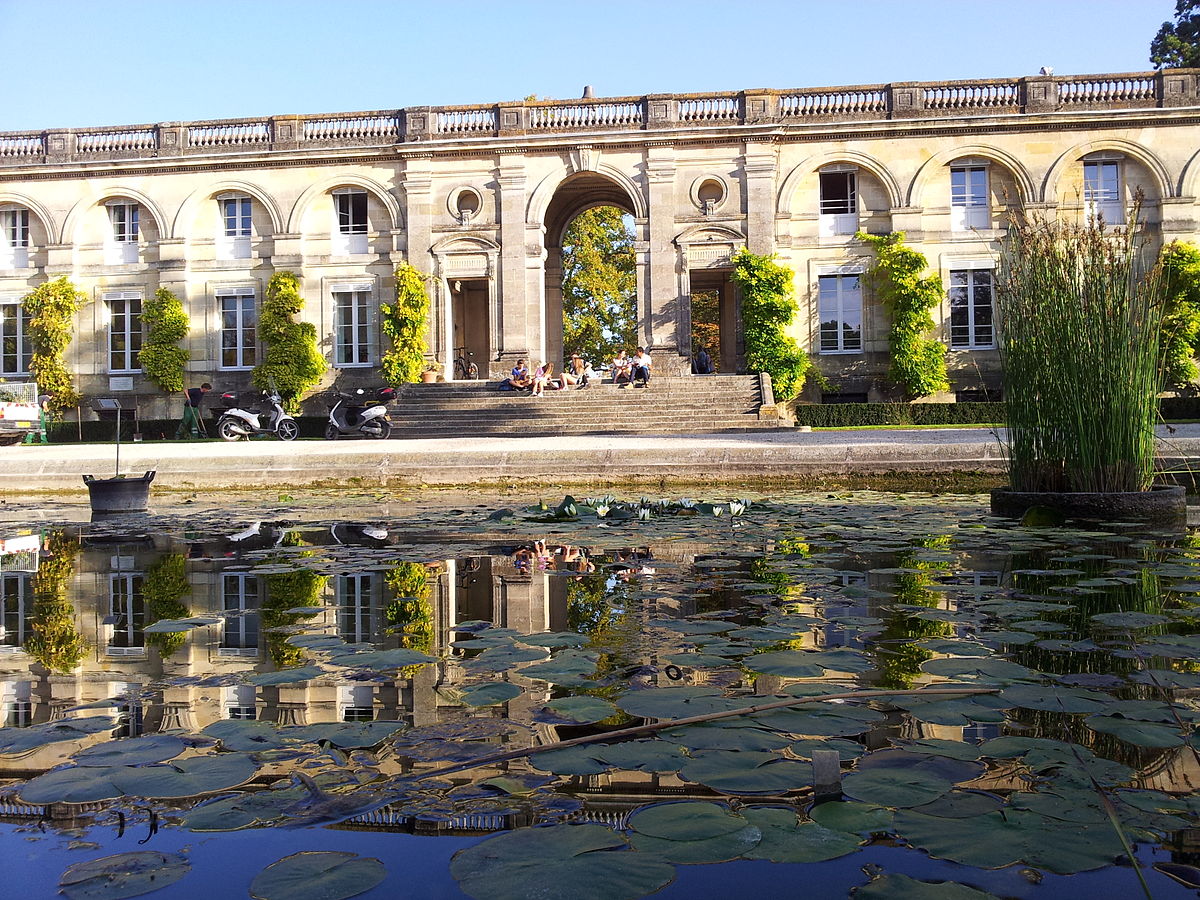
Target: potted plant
pixel 432 372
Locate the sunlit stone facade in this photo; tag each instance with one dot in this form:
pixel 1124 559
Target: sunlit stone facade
pixel 479 197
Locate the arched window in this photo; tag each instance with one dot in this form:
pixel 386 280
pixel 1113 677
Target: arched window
pixel 14 237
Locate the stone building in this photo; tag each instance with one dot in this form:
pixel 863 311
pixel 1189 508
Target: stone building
pixel 479 198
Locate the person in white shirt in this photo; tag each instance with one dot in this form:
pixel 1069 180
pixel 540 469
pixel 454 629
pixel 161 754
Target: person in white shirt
pixel 639 371
pixel 620 368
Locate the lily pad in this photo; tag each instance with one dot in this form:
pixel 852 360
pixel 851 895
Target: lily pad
pixel 716 849
pixel 324 875
pixel 1141 734
pixel 895 787
pixel 286 676
pixel 675 703
pixel 746 772
pixel 382 660
pixel 123 875
pixel 583 708
pixel 584 862
pixel 151 748
pixel 852 817
pixel 490 694
pixel 902 887
pixel 686 820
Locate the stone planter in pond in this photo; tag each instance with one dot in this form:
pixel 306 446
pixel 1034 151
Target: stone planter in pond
pixel 1164 505
pixel 120 494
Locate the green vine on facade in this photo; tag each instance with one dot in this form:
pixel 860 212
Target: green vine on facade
pixel 768 308
pixel 1181 313
pixel 291 360
pixel 51 309
pixel 918 362
pixel 162 358
pixel 164 589
pixel 405 322
pixel 55 642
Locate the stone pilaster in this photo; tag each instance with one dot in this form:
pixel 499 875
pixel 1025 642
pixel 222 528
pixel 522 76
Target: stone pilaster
pixel 416 182
pixel 760 166
pixel 658 307
pixel 521 308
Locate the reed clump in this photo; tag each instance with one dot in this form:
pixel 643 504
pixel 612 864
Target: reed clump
pixel 1081 310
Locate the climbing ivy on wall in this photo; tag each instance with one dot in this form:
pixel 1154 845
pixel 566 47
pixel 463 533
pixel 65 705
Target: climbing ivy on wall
pixel 286 591
pixel 918 362
pixel 51 308
pixel 1181 314
pixel 55 642
pixel 290 359
pixel 165 587
pixel 405 322
pixel 161 357
pixel 411 612
pixel 768 307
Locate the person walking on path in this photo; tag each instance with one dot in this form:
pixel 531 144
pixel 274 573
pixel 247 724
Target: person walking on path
pixel 189 425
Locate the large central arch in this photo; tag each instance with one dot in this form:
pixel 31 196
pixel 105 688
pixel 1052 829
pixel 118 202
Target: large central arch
pixel 574 195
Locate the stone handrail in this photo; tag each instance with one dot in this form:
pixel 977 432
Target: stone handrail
pixel 1037 94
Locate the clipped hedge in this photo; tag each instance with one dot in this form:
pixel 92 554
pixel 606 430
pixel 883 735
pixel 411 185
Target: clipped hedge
pixel 850 415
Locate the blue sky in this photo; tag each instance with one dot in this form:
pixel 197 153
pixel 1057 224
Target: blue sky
pixel 98 62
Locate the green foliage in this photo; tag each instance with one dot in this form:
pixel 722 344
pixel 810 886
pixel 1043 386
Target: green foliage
pixel 161 357
pixel 768 307
pixel 1181 313
pixel 165 586
pixel 1177 44
pixel 284 591
pixel 1081 324
pixel 51 308
pixel 898 658
pixel 291 359
pixel 55 643
pixel 411 612
pixel 599 285
pixel 918 362
pixel 406 322
pixel 706 324
pixel 848 415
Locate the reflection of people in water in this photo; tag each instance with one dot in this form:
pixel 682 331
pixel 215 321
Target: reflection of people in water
pixel 552 558
pixel 632 562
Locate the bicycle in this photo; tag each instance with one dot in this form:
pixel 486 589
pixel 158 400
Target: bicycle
pixel 464 365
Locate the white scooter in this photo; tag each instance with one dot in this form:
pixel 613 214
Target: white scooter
pixel 350 416
pixel 237 424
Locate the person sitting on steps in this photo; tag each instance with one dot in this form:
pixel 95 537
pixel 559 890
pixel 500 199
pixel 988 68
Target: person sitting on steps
pixel 543 377
pixel 620 368
pixel 702 364
pixel 576 373
pixel 639 373
pixel 519 377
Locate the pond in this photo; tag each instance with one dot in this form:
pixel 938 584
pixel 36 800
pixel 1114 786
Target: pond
pixel 369 696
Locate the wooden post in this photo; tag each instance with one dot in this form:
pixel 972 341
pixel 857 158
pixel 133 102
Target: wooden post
pixel 827 775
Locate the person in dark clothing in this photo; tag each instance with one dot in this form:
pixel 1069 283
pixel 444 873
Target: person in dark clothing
pixel 702 364
pixel 189 425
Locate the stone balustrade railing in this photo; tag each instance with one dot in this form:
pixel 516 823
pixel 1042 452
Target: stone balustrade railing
pixel 857 103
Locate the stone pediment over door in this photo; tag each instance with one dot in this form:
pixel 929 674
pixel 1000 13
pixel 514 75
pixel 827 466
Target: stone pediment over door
pixel 465 257
pixel 709 246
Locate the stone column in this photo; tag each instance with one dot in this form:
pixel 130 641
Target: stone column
pixel 520 302
pixel 658 275
pixel 416 182
pixel 760 165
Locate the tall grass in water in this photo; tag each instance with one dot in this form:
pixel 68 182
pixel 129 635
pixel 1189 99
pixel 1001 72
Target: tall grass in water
pixel 1080 311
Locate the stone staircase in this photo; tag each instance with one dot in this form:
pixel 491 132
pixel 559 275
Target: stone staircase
pixel 670 405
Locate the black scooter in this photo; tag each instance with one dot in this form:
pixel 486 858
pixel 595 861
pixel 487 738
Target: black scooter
pixel 360 415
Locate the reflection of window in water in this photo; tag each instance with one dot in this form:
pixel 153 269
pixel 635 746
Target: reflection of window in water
pixel 129 713
pixel 15 604
pixel 239 702
pixel 127 613
pixel 356 702
pixel 240 635
pixel 974 579
pixel 16 703
pixel 354 607
pixel 977 733
pixel 853 579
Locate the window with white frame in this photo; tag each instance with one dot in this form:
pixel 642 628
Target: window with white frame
pixel 240 701
pixel 239 593
pixel 352 325
pixel 356 703
pixel 233 242
pixel 14 238
pixel 839 200
pixel 122 246
pixel 127 611
pixel 840 310
pixel 16 605
pixel 972 315
pixel 1102 191
pixel 350 208
pixel 354 606
pixel 124 330
pixel 239 326
pixel 15 348
pixel 16 703
pixel 969 206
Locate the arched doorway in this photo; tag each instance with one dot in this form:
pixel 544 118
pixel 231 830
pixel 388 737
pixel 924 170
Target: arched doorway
pixel 574 196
